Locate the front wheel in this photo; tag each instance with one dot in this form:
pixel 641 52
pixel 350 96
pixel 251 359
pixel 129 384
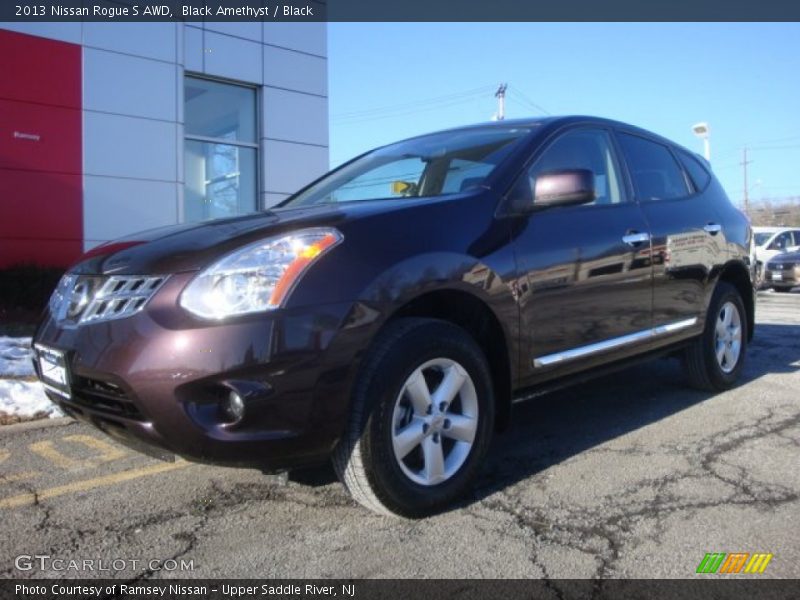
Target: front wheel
pixel 421 420
pixel 715 360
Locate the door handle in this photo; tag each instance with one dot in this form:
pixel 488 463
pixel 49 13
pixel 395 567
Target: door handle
pixel 634 238
pixel 712 228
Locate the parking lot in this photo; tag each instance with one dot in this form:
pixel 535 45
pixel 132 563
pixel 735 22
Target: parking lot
pixel 632 475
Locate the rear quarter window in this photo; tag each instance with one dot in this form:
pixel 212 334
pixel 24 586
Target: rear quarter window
pixel 655 172
pixel 697 171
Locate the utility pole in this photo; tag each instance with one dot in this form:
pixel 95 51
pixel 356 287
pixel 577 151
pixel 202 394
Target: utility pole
pixel 744 163
pixel 500 94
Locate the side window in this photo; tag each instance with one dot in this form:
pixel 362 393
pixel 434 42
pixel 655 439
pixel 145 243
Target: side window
pixel 796 240
pixel 379 182
pixel 697 172
pixel 582 149
pixel 655 173
pixel 464 174
pixel 781 241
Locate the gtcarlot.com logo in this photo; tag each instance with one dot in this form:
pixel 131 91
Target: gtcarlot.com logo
pixel 45 562
pixel 735 562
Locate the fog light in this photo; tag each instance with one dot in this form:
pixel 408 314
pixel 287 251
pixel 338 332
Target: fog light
pixel 233 408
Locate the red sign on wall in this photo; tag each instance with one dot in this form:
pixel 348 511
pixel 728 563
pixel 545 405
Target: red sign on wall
pixel 41 196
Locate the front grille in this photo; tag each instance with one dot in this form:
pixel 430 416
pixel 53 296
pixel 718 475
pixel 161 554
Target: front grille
pixel 88 299
pixel 104 397
pixel 121 296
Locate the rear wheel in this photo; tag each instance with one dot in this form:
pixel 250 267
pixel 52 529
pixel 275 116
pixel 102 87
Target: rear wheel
pixel 421 421
pixel 759 283
pixel 715 360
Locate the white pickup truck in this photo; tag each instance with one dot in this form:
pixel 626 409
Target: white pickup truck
pixel 771 241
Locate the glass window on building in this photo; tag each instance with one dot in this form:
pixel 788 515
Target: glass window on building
pixel 221 150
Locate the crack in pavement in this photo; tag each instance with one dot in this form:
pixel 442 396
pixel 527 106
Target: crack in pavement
pixel 611 525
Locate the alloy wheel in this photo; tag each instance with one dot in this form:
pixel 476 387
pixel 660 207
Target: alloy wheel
pixel 435 421
pixel 728 337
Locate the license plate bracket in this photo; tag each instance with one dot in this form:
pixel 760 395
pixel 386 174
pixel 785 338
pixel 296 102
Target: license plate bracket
pixel 53 370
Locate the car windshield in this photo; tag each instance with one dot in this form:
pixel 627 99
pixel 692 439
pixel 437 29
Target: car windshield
pixel 762 238
pixel 432 165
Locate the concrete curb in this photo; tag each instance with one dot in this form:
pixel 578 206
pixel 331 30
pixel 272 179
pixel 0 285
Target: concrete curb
pixel 33 425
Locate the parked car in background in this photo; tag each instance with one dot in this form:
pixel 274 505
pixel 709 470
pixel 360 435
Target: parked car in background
pixel 782 272
pixel 771 241
pixel 389 314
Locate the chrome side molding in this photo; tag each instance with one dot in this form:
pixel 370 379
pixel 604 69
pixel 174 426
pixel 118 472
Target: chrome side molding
pixel 606 345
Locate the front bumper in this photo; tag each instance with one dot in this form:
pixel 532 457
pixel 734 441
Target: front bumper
pixel 156 380
pixel 778 276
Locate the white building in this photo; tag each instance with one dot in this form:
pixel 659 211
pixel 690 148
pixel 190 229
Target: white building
pixel 112 128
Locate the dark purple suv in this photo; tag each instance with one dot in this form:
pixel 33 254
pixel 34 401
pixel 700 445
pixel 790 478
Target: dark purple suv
pixel 387 315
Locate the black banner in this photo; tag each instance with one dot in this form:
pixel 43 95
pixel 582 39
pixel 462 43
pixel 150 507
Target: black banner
pixel 399 10
pixel 644 589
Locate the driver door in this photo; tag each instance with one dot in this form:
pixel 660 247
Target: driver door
pixel 585 275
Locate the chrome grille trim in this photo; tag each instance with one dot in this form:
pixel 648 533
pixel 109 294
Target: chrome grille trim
pixel 115 297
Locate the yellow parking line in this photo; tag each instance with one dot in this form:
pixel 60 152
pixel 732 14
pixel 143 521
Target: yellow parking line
pixel 107 451
pixel 47 450
pixel 88 484
pixel 4 454
pixel 21 476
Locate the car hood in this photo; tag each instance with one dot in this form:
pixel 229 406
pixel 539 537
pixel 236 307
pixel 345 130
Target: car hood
pixel 786 257
pixel 192 246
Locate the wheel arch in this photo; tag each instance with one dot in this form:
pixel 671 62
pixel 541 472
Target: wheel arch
pixel 736 274
pixel 472 314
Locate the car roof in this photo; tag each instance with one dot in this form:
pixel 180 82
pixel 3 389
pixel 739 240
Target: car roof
pixel 557 121
pixel 760 229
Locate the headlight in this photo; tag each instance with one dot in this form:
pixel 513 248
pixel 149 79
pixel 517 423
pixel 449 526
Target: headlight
pixel 257 277
pixel 58 300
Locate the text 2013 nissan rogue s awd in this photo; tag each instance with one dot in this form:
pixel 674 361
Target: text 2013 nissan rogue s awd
pixel 386 315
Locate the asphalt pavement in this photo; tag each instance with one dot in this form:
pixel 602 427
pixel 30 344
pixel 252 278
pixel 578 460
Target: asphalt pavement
pixel 632 475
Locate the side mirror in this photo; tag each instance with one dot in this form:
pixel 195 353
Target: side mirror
pixel 563 188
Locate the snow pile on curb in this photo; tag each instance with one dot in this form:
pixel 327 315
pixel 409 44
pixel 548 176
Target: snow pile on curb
pixel 20 397
pixel 15 357
pixel 25 399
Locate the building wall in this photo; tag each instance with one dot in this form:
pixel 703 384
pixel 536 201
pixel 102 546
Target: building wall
pixel 131 110
pixel 40 150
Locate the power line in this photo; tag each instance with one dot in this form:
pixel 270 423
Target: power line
pixel 787 147
pixel 410 111
pixel 411 104
pixel 786 139
pixel 521 97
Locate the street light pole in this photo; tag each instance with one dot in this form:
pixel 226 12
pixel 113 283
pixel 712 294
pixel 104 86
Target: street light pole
pixel 702 131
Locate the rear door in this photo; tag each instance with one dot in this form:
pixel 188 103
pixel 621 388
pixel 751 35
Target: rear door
pixel 687 235
pixel 584 271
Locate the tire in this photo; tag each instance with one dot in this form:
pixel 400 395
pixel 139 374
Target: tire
pixel 392 474
pixel 726 330
pixel 783 290
pixel 759 283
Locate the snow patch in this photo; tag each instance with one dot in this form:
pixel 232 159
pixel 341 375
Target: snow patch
pixel 15 357
pixel 25 399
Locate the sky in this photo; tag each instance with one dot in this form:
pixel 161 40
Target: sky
pixel 388 81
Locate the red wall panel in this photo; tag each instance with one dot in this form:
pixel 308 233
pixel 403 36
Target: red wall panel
pixel 39 137
pixel 41 196
pixel 39 70
pixel 39 204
